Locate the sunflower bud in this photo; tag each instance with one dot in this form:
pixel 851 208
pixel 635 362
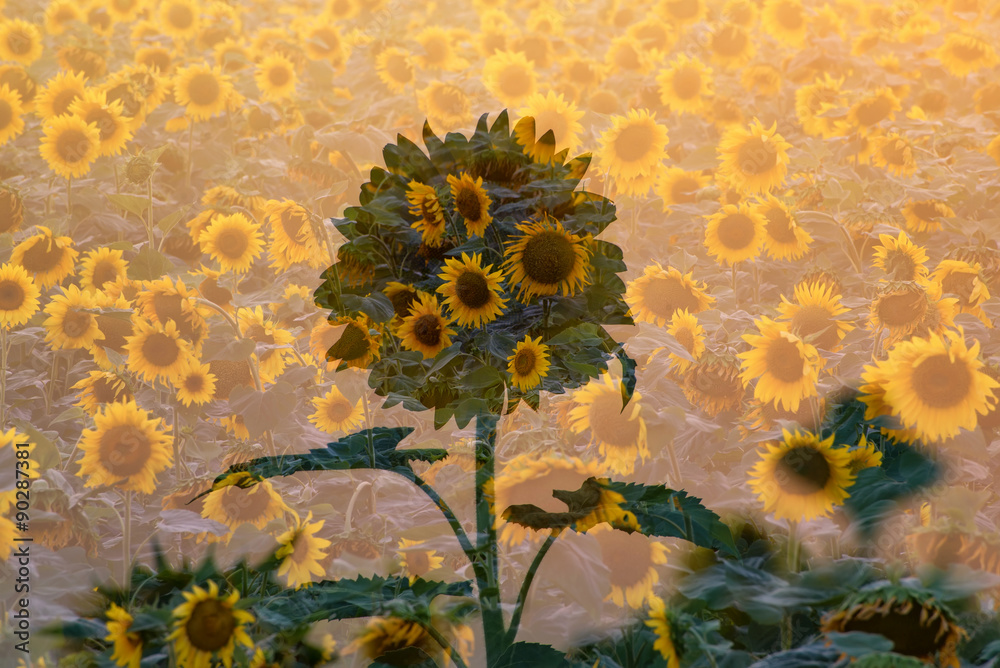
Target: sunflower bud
pixel 139 169
pixel 11 209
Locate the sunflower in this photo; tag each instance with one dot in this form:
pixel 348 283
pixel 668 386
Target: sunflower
pixel 801 477
pixel 510 77
pixel 905 309
pixel 127 645
pixel 93 108
pixel 786 21
pixel 438 46
pixel 680 13
pixel 965 53
pixel 426 328
pixel 232 240
pixel 678 186
pixel 926 215
pixel 275 77
pixel 550 112
pixel 786 367
pixel 60 15
pixel 300 552
pixel 180 19
pixel 18 296
pixel 11 123
pixel 70 145
pixel 783 238
pixel 394 67
pixel 814 315
pixel 323 41
pixel 71 323
pixel 472 292
pixel 546 259
pixel 195 384
pixel 165 300
pixel 209 627
pixel 864 456
pixel 620 433
pixel 731 46
pixel 662 623
pixel 232 55
pixel 762 78
pixel 471 202
pixel 20 41
pixel 101 266
pixel 879 105
pixel 655 296
pixel 126 449
pixel 204 91
pixel 529 363
pixel 393 639
pixel 735 233
pixel 914 622
pixel 417 560
pixel 900 258
pixel 815 104
pixel 633 146
pixel 531 478
pixel 895 153
pixel 446 105
pixel 683 83
pixel 424 203
pixel 156 351
pixel 754 159
pixel 263 331
pixel 100 388
pixel 356 345
pixel 965 281
pixel 686 330
pixel 48 257
pixel 936 385
pixel 631 559
pixel 335 413
pixel 235 506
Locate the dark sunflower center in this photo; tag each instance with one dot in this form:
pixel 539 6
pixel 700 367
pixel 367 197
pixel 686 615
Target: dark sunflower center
pixel 467 203
pixel 789 15
pixel 44 255
pixel 19 43
pixel 114 330
pixel 757 156
pixel 11 295
pixel 232 243
pixel 524 362
pixel 76 323
pixel 353 344
pixel 340 410
pixel 157 59
pixel 104 272
pixel 399 68
pixel 894 151
pixel 6 114
pixel 784 361
pixel 107 391
pixel 72 145
pixel 941 383
pixel 418 561
pixel 124 450
pixel 99 18
pixel 901 309
pixel 729 42
pixel 687 82
pixel 989 97
pixel 736 231
pixel 245 505
pixel 11 210
pixel 779 226
pixel 259 334
pixel 548 258
pixel 211 625
pixel 961 284
pixel 514 82
pixel 663 296
pixel 427 330
pixel 927 211
pixel 472 289
pixel 123 93
pixel 627 556
pixel 402 301
pixel 160 350
pixel 813 320
pixel 684 190
pixel 437 51
pixel 633 143
pixel 195 382
pixel 682 9
pixel 180 17
pixel 104 120
pixel 229 374
pixel 326 38
pixel 802 471
pixel 279 75
pixel 934 101
pixel 900 266
pixel 171 307
pixel 204 88
pixel 871 112
pixel 291 223
pixel 910 634
pixel 609 425
pixel 627 58
pixel 17 79
pixel 967 52
pixel 685 337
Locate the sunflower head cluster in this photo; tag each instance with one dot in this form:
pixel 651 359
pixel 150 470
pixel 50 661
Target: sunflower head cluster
pixel 486 277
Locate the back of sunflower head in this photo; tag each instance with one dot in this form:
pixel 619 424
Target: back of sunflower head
pixel 471 272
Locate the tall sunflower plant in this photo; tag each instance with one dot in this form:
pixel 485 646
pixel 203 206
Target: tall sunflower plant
pixel 471 280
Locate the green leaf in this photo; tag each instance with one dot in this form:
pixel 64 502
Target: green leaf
pixel 262 410
pixel 149 265
pixel 531 655
pixel 131 203
pixel 858 643
pixel 347 599
pixel 878 491
pixel 167 222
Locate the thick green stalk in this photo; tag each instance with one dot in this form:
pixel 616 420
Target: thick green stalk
pixel 522 597
pixel 487 574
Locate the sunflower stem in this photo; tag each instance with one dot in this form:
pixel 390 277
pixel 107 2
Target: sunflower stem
pixel 674 464
pixel 522 596
pixel 127 539
pixel 190 158
pixel 442 505
pixel 487 557
pixel 447 646
pixel 69 196
pixel 792 554
pixel 149 212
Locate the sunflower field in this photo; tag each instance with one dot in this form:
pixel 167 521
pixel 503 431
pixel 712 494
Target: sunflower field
pixel 503 333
